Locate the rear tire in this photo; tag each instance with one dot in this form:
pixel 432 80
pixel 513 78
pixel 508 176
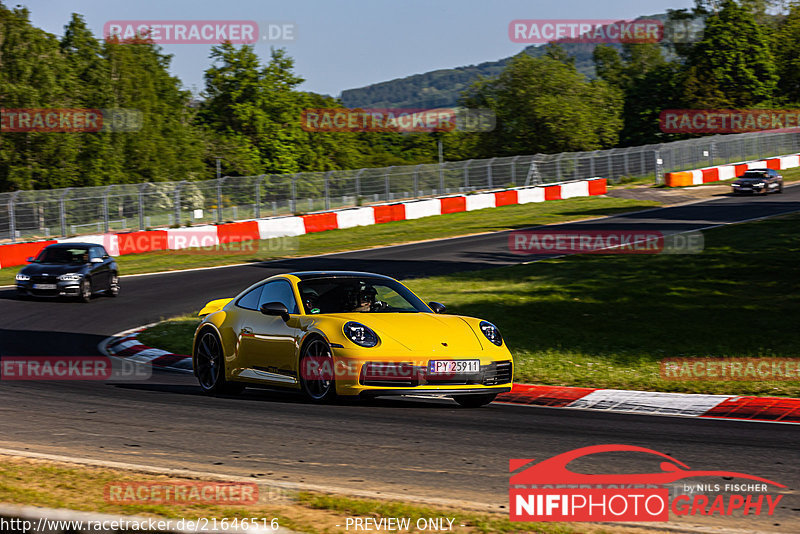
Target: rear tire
pixel 780 188
pixel 209 362
pixel 474 401
pixel 316 371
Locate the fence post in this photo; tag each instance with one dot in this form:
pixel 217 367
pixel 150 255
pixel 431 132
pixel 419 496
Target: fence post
pixel 106 216
pixel 659 164
pixel 219 198
pixel 328 190
pixel 592 173
pixel 386 179
pixel 416 180
pixel 294 195
pixel 489 180
pixel 466 173
pixel 177 201
pixel 514 170
pixel 627 168
pixel 259 179
pixel 12 223
pixel 142 187
pixel 63 212
pixel 441 177
pixel 358 185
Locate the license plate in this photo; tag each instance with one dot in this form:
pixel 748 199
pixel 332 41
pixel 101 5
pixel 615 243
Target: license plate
pixel 454 366
pixel 45 286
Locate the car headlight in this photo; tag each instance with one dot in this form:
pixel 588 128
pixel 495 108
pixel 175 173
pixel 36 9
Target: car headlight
pixel 735 185
pixel 70 277
pixel 491 332
pixel 759 184
pixel 360 334
pixel 22 277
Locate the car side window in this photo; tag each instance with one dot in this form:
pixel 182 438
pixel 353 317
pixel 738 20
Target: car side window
pixel 95 252
pixel 279 291
pixel 249 301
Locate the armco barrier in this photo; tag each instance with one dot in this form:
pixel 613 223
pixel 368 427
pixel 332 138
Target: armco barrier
pixel 726 172
pixel 210 235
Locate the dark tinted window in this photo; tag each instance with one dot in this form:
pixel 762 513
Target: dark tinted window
pixel 75 255
pixel 249 300
pixel 279 291
pixel 95 252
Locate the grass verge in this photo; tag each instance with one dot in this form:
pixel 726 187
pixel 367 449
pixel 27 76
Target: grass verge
pixel 434 227
pixel 25 481
pixel 607 321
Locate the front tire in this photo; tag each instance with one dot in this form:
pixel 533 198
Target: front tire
pixel 317 376
pixel 85 290
pixel 209 363
pixel 113 286
pixel 474 401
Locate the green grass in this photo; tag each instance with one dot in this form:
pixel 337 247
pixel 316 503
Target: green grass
pixel 174 335
pixel 488 220
pixel 606 321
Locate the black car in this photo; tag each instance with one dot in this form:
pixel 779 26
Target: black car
pixel 761 181
pixel 69 269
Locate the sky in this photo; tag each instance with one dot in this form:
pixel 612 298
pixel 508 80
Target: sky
pixel 346 44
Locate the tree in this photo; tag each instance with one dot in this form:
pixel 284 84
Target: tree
pixel 732 66
pixel 544 105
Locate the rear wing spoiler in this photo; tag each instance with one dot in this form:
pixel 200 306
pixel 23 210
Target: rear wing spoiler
pixel 214 306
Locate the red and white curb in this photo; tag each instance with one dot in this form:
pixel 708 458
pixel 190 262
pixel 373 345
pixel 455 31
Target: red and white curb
pixel 747 408
pixel 127 346
pixel 769 409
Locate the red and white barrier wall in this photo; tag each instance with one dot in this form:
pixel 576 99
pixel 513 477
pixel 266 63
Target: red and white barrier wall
pixel 726 172
pixel 212 235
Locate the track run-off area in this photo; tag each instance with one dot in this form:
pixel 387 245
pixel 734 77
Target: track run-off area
pixel 420 447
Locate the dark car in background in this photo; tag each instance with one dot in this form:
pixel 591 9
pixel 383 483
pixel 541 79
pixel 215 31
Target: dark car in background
pixel 758 181
pixel 69 270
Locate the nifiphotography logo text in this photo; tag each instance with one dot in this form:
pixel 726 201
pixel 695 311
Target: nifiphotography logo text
pixel 548 491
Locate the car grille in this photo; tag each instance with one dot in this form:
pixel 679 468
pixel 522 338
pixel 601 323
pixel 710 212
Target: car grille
pixel 375 374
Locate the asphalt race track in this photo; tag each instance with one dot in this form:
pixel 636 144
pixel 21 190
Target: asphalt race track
pixel 413 446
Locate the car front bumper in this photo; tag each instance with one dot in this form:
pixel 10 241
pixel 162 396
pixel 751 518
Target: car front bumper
pixel 70 288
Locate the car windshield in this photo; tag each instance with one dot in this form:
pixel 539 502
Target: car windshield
pixel 760 174
pixel 63 255
pixel 365 295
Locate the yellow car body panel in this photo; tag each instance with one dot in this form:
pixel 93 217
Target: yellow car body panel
pixel 272 357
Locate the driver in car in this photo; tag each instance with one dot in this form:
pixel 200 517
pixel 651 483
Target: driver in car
pixel 366 299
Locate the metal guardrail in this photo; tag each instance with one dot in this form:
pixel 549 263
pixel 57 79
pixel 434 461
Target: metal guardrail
pixel 26 215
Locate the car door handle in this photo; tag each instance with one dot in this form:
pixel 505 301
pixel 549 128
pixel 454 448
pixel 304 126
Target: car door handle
pixel 247 330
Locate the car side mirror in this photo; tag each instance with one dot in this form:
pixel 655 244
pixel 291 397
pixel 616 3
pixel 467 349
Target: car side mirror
pixel 96 260
pixel 437 307
pixel 31 259
pixel 275 308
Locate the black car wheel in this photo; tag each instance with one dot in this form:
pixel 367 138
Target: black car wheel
pixel 780 188
pixel 474 401
pixel 317 372
pixel 209 363
pixel 113 286
pixel 86 290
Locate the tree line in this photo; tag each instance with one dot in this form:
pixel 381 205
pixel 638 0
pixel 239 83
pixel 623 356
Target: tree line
pixel 248 116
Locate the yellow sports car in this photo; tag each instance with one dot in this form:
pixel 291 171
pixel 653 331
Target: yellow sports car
pixel 347 334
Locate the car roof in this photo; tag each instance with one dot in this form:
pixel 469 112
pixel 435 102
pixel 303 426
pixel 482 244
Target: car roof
pixel 72 245
pixel 310 275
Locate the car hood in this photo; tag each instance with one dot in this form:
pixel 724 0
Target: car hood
pixel 442 335
pixel 35 269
